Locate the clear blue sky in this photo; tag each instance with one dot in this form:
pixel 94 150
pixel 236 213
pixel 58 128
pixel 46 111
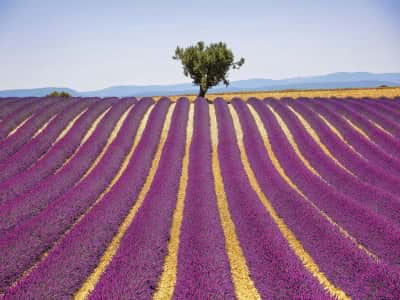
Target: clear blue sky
pixel 91 44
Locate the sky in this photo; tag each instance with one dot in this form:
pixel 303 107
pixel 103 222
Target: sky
pixel 93 44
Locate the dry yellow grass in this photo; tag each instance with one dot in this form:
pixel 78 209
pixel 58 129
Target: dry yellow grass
pixel 389 92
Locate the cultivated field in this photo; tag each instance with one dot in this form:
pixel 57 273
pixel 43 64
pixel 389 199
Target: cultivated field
pixel 388 92
pixel 126 199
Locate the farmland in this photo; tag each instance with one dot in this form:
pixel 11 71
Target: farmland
pixel 388 92
pixel 181 199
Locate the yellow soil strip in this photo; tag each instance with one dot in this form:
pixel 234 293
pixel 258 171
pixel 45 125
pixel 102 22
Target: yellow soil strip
pixel 356 128
pixel 166 285
pixel 312 133
pixel 381 128
pixel 389 92
pixel 289 137
pixel 110 185
pixel 293 242
pixel 64 132
pixel 19 126
pixel 335 131
pixel 44 126
pixel 110 139
pixel 69 126
pixel 264 134
pixel 112 248
pixel 85 138
pixel 244 285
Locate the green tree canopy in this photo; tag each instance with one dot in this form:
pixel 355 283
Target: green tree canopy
pixel 59 94
pixel 207 65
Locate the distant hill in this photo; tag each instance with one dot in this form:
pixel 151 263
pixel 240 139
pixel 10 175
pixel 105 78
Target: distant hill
pixel 38 92
pixel 328 81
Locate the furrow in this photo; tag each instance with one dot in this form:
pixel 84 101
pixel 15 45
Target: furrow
pixel 383 108
pixel 44 126
pixel 292 163
pixel 80 250
pixel 24 182
pixel 313 135
pixel 351 271
pixel 386 142
pixel 58 219
pixel 19 126
pixel 36 148
pixel 22 113
pixel 342 200
pixel 16 141
pixel 202 269
pixel 380 119
pixel 31 203
pixel 284 230
pixel 137 264
pixel 167 280
pixel 88 134
pixel 368 150
pixel 379 183
pixel 110 139
pixel 244 285
pixel 91 281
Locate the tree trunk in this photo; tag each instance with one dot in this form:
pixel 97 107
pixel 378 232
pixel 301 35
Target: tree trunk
pixel 202 92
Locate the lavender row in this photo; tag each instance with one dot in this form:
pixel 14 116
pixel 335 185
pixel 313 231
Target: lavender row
pixel 382 139
pixel 353 198
pixel 274 268
pixel 12 106
pixel 386 106
pixel 31 203
pixel 77 254
pixel 395 105
pixel 11 145
pixel 366 148
pixel 22 113
pixel 20 183
pixel 338 258
pixel 137 265
pixel 377 114
pixel 58 217
pixel 203 269
pixel 378 182
pixel 6 104
pixel 38 146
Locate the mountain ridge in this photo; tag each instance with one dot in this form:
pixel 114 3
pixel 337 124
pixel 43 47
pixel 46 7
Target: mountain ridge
pixel 329 81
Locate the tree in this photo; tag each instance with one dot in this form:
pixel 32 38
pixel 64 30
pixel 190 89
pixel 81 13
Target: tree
pixel 59 94
pixel 207 66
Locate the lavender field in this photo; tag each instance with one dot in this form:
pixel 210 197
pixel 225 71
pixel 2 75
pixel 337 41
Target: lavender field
pixel 141 199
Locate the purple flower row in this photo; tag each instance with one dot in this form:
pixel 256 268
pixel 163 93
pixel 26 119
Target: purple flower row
pixel 382 139
pixel 367 149
pixel 20 183
pixel 13 143
pixel 203 270
pixel 54 221
pixel 12 105
pixel 372 184
pixel 31 203
pixel 134 270
pixel 346 198
pixel 23 112
pixel 68 265
pixel 387 107
pixel 35 148
pixel 376 112
pixel 345 265
pixel 274 268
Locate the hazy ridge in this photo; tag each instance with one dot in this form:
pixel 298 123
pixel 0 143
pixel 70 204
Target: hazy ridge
pixel 332 80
